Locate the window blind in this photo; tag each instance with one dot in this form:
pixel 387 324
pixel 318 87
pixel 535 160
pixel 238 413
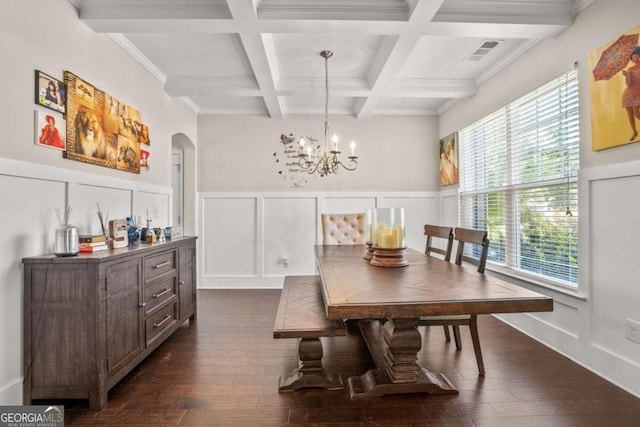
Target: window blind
pixel 518 180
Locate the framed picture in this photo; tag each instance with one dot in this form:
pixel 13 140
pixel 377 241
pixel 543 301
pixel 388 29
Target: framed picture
pixel 128 155
pixel 449 159
pixel 101 129
pixel 614 89
pixel 145 158
pixel 50 131
pixel 50 92
pixel 144 134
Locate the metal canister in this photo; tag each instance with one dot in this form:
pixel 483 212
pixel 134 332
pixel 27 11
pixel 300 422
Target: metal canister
pixel 67 241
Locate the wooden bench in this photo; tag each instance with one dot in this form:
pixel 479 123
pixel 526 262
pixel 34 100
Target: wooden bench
pixel 301 314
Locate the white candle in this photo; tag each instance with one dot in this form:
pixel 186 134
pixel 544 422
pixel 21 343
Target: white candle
pixel 353 148
pixel 335 142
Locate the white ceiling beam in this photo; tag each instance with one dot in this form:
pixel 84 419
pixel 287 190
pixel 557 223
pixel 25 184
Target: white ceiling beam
pixel 211 86
pixel 207 26
pixel 370 10
pixel 431 88
pixel 160 26
pixel 244 13
pixel 391 63
pixel 166 9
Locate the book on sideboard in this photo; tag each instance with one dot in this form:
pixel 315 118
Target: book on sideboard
pixel 103 243
pixel 89 248
pixel 91 238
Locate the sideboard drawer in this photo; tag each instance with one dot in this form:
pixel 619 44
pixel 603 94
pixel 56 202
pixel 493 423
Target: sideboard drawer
pixel 160 291
pixel 160 264
pixel 161 321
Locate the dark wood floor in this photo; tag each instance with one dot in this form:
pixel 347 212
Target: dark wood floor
pixel 223 370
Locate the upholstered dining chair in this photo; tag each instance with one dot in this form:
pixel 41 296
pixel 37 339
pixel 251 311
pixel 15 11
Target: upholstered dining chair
pixel 478 239
pixel 445 235
pixel 343 229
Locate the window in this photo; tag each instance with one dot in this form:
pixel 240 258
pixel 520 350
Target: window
pixel 518 180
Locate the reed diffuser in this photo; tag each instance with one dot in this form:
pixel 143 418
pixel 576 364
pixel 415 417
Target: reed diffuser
pixel 67 238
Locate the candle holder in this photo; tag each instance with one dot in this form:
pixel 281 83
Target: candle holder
pixel 387 238
pixel 389 257
pixel 367 234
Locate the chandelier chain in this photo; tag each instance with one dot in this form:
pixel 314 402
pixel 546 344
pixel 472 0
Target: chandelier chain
pixel 325 160
pixel 326 88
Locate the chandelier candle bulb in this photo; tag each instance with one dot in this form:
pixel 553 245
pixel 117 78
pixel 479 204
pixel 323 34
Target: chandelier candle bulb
pixel 353 148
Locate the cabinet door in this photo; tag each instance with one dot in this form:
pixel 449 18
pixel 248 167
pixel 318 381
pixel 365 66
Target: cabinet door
pixel 186 281
pixel 59 325
pixel 125 314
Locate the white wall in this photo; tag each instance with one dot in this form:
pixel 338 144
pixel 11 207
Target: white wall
pixel 588 325
pixel 236 153
pixel 34 181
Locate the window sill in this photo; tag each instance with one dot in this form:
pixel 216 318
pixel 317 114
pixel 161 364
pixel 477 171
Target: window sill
pixel 534 281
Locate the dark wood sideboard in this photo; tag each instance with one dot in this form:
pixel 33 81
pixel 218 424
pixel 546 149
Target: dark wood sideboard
pixel 91 318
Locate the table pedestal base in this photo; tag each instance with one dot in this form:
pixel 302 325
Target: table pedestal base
pixel 394 348
pixel 310 373
pixel 376 383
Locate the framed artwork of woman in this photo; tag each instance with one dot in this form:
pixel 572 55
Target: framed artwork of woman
pixel 50 131
pixel 449 159
pixel 50 92
pixel 614 89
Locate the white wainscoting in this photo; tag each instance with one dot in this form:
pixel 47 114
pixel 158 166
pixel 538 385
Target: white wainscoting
pixel 29 194
pixel 253 240
pixel 589 327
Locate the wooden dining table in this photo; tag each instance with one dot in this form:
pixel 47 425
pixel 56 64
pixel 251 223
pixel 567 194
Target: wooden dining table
pixel 387 302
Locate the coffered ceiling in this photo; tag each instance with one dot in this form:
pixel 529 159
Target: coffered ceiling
pixel 407 57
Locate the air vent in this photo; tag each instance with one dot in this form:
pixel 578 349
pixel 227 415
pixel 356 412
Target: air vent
pixel 482 50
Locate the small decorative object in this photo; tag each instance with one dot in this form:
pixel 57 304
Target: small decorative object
pixel 368 234
pixel 118 233
pixel 388 238
pixel 103 221
pixel 132 232
pixel 67 243
pixel 151 236
pixel 167 233
pixel 159 233
pixel 50 92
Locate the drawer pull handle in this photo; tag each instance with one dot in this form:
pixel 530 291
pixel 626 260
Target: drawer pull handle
pixel 162 264
pixel 160 323
pixel 159 294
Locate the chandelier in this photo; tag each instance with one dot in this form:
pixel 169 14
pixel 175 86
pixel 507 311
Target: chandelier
pixel 325 160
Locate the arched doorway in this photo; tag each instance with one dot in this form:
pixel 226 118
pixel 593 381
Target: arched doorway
pixel 183 181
